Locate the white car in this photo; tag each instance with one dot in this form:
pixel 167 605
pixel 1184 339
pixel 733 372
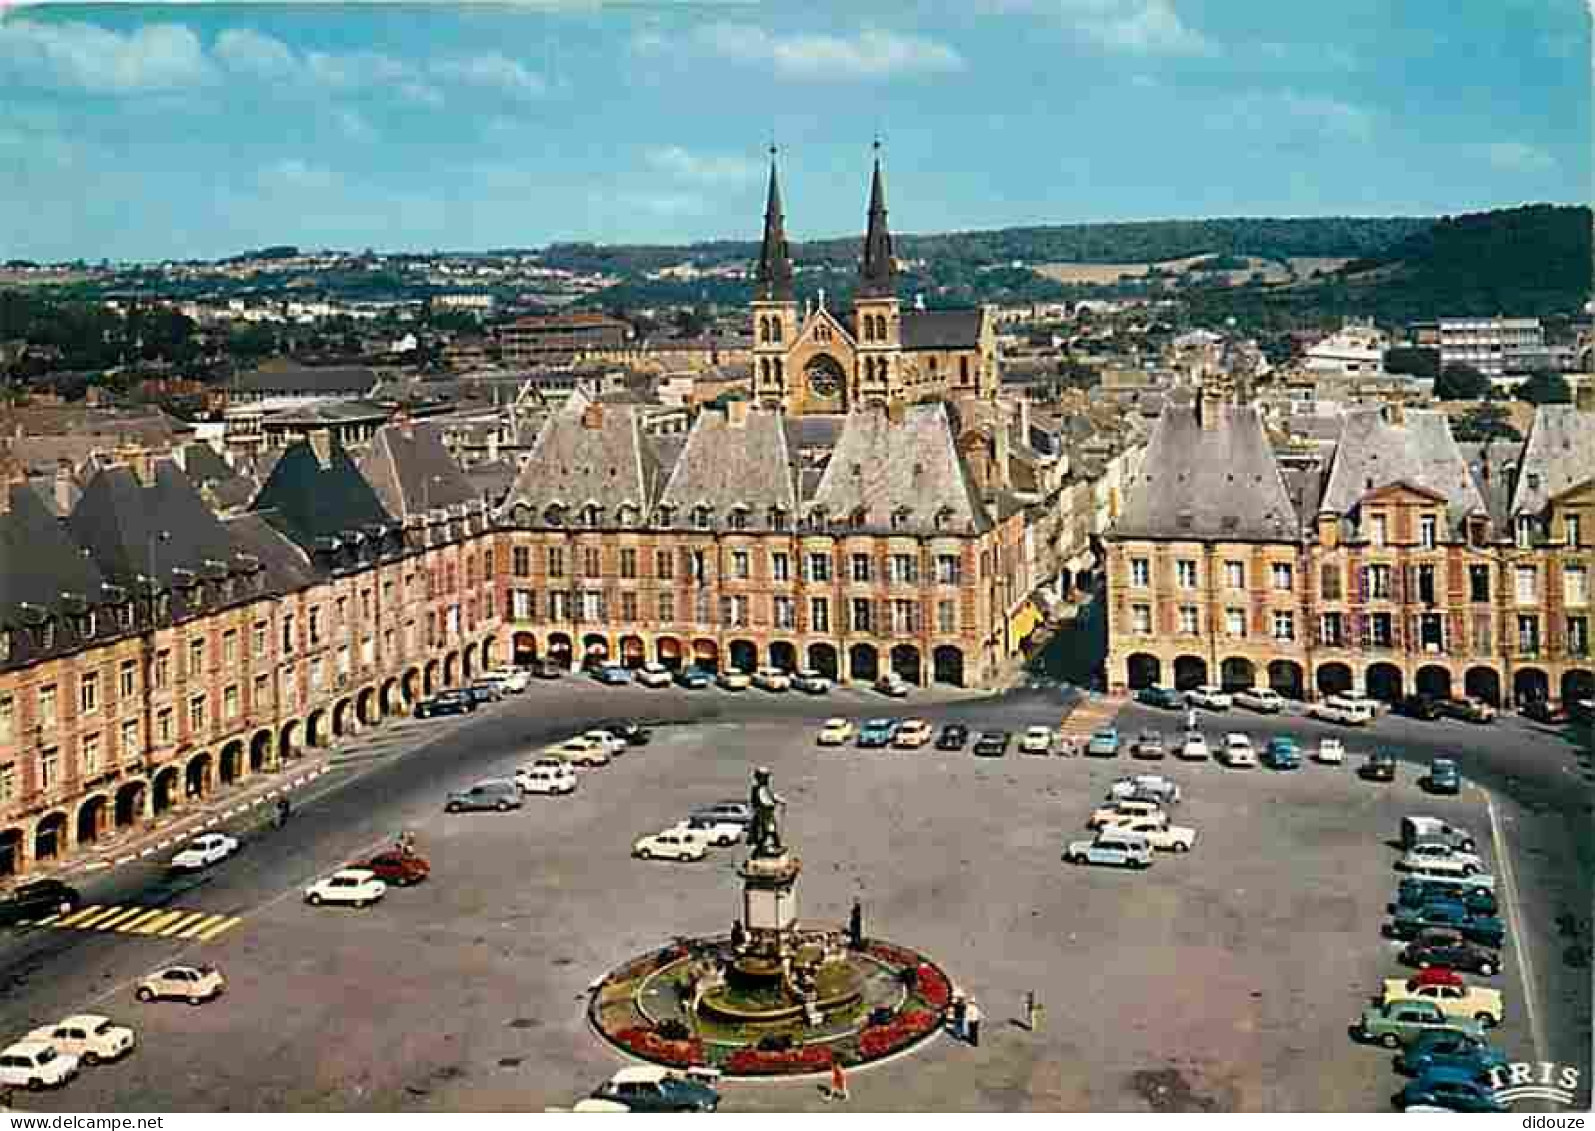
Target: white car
pixel 87 1036
pixel 653 675
pixel 1036 740
pixel 1194 748
pixel 35 1065
pixel 580 751
pixel 835 732
pixel 1145 786
pixel 719 833
pixel 1440 860
pixel 509 681
pixel 1211 697
pixel 1121 811
pixel 193 984
pixel 811 681
pixel 1170 838
pixel 553 780
pixel 1330 752
pixel 203 851
pixel 772 679
pixel 1340 709
pixel 1237 751
pixel 354 886
pixel 733 679
pixel 1264 699
pixel 672 844
pixel 912 734
pixel 612 744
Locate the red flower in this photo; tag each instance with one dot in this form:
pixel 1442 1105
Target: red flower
pixel 878 1040
pixel 933 986
pixel 651 1046
pixel 757 1062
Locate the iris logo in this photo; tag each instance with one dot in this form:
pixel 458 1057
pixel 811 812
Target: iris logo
pixel 1524 1080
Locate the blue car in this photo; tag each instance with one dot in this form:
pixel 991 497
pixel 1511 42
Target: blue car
pixel 1282 754
pixel 1455 1089
pixel 693 679
pixel 876 732
pixel 1444 777
pixel 1160 697
pixel 611 673
pixel 1448 1049
pixel 1104 743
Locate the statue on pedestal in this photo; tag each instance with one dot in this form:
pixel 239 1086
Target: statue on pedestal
pixel 764 834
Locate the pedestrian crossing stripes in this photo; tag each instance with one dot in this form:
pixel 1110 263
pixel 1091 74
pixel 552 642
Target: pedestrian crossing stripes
pixel 1090 716
pixel 151 922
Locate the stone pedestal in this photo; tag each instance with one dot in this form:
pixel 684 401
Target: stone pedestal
pixel 769 898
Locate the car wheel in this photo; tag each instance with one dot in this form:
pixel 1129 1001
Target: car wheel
pixel 1486 968
pixel 35 1084
pixel 1468 845
pixel 66 907
pixel 502 806
pixel 195 999
pixel 314 898
pixel 91 1058
pixel 145 994
pixel 361 904
pixel 1486 1020
pixel 1470 870
pixel 1390 1041
pixel 1181 846
pixel 451 807
pixel 645 853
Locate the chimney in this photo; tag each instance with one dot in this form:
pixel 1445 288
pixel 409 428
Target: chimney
pixel 321 443
pixel 737 413
pixel 1396 413
pixel 593 416
pixel 1024 419
pixel 896 411
pixel 63 486
pixel 492 444
pixel 1001 479
pixel 405 423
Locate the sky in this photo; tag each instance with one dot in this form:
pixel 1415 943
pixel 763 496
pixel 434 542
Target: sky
pixel 197 130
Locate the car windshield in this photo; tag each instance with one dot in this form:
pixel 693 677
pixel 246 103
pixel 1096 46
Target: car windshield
pixel 102 1028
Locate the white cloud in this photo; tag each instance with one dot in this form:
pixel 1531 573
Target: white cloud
pixel 246 51
pixel 296 175
pixel 154 57
pixel 354 126
pixel 871 53
pixel 1516 157
pixel 1291 118
pixel 703 168
pixel 1137 27
pixel 356 69
pixel 492 72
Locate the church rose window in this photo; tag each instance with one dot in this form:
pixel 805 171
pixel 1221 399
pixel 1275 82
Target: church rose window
pixel 824 375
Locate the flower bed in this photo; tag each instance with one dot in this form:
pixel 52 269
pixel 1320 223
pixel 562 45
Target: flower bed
pixel 756 1062
pixel 933 986
pixel 651 1046
pixel 892 955
pixel 878 1040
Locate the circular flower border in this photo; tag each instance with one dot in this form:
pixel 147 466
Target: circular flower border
pixel 614 1012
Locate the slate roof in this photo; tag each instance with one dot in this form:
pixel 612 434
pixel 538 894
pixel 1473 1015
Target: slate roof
pixel 288 568
pixel 329 380
pixel 1491 464
pixel 884 467
pixel 941 329
pixel 491 480
pixel 727 465
pixel 1559 454
pixel 327 412
pixel 313 495
pixel 412 472
pixel 1374 452
pixel 1220 484
pixel 38 558
pixel 589 454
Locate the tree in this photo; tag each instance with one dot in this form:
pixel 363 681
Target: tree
pixel 1484 422
pixel 1545 387
pixel 1414 361
pixel 1460 382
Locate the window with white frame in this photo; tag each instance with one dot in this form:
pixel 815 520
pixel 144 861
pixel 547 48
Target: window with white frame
pixel 1575 581
pixel 1428 528
pixel 89 693
pixel 1140 572
pixel 47 715
pixel 91 754
pixel 1570 530
pixel 1378 531
pixel 49 768
pixel 1234 575
pixel 819 567
pixel 196 714
pixel 947 616
pixel 1527 584
pixel 780 567
pixel 785 613
pixel 130 744
pixel 8 718
pixel 1528 633
pixel 165 726
pixel 1235 623
pixel 1141 620
pixel 1283 575
pixel 1284 625
pixel 819 614
pixel 1190 620
pixel 1185 573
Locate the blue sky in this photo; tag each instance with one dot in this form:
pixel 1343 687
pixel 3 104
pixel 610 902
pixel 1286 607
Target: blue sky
pixel 132 131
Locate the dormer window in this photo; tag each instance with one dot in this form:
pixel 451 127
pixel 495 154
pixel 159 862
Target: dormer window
pixel 87 624
pixel 859 517
pixel 46 635
pixel 777 518
pixel 701 517
pixel 593 515
pixel 944 518
pixel 900 518
pixel 554 515
pixel 1525 531
pixel 124 614
pixel 738 518
pixel 5 643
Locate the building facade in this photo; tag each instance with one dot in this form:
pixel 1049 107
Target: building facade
pixel 547 337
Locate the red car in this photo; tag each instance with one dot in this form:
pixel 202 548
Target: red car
pixel 1435 976
pixel 399 868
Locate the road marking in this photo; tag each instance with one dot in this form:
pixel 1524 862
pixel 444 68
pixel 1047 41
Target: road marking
pixel 92 922
pixel 155 924
pixel 128 859
pixel 1525 965
pixel 227 924
pixel 127 915
pixel 78 916
pixel 145 915
pixel 50 922
pixel 184 922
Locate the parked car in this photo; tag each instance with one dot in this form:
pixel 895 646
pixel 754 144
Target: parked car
pixel 694 678
pixel 554 780
pixel 456 702
pixel 1380 766
pixel 579 750
pixel 1148 746
pixel 875 733
pixel 611 674
pixel 835 732
pixel 38 900
pixel 1446 947
pixel 992 743
pixel 548 669
pixel 606 740
pixel 1170 838
pixel 1331 752
pixel 1264 699
pixel 1415 830
pixel 772 679
pixel 354 886
pixel 1104 743
pixel 913 734
pixel 203 851
pixel 653 675
pixel 1122 809
pixel 1450 1089
pixel 483 693
pixel 1419 706
pixel 1415 892
pixel 182 982
pixel 1544 711
pixel 1403 1022
pixel 1341 709
pixel 500 796
pixel 717 831
pixel 510 681
pixel 1409 922
pixel 1468 709
pixel 739 811
pixel 88 1036
pixel 1160 697
pixel 733 679
pixel 1210 697
pixel 1148 787
pixel 1194 748
pixel 672 844
pixel 398 869
pixel 1439 858
pixel 1036 740
pixel 810 681
pixel 1237 752
pixel 953 736
pixel 1447 990
pixel 36 1065
pixel 1117 849
pixel 1443 777
pixel 650 1088
pixel 893 685
pixel 1282 753
pixel 631 733
pixel 1446 1049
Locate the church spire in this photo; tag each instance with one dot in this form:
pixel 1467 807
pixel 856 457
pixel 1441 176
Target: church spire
pixel 877 277
pixel 773 282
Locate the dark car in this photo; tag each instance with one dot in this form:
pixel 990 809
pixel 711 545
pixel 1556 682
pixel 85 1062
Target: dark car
pixel 1455 1089
pixel 1148 746
pixel 739 812
pixel 1160 697
pixel 1447 1048
pixel 400 869
pixel 1543 711
pixel 482 693
pixel 611 673
pixel 1282 753
pixel 1447 948
pixel 635 734
pixel 1409 922
pixel 446 703
pixel 38 900
pixel 1468 709
pixel 953 736
pixel 1380 766
pixel 992 743
pixel 1415 892
pixel 1443 777
pixel 647 1088
pixel 548 669
pixel 693 678
pixel 1421 707
pixel 499 796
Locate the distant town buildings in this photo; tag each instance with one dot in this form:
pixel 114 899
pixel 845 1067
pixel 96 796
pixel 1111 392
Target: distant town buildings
pixel 1496 347
pixel 544 337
